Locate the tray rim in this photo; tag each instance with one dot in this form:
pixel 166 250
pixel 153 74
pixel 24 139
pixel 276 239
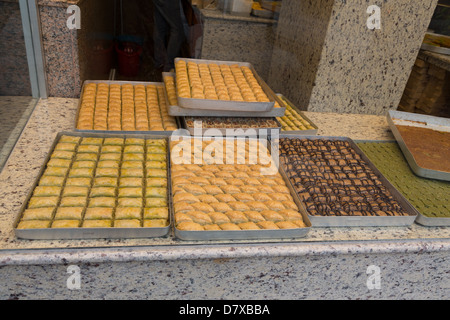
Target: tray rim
pixel 367 221
pixel 89 233
pixel 192 103
pixel 109 82
pixel 267 234
pixel 421 218
pixel 420 171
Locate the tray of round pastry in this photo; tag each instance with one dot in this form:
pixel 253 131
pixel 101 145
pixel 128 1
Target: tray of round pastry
pixel 124 107
pixel 425 142
pixel 231 188
pixel 231 126
pixel 221 85
pixel 100 186
pixel 339 186
pixel 294 121
pixel 428 196
pixel 176 110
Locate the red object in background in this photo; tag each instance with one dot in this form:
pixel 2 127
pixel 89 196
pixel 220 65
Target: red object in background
pixel 128 55
pixel 102 57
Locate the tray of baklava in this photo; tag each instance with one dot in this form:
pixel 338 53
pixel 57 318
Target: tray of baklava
pixel 231 188
pixel 231 126
pixel 124 106
pixel 428 196
pixel 174 108
pixel 221 85
pixel 339 186
pixel 294 121
pixel 100 186
pixel 425 142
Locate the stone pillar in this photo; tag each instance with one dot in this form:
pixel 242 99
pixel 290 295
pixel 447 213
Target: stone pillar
pixel 326 57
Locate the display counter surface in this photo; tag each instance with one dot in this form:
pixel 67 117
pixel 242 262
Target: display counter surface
pixel 54 115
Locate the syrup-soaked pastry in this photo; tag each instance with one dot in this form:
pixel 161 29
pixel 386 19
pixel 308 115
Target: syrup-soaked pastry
pixel 103 192
pixel 42 202
pixel 109 202
pixel 286 225
pixel 65 163
pixel 207 198
pixel 155 202
pixel 73 202
pixel 180 217
pixel 199 217
pixel 229 226
pixel 155 223
pixel 267 224
pixel 211 227
pixel 34 224
pixel 56 171
pixel 190 226
pixel 127 223
pixel 38 214
pixel 78 182
pixel 96 223
pixel 65 224
pixel 98 213
pixel 69 213
pixel 156 213
pixel 83 164
pixel 250 225
pixel 65 155
pixel 75 191
pixel 127 213
pixel 46 191
pixel 51 181
pixel 272 215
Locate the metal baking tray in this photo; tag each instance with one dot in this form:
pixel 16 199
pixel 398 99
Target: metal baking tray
pixel 93 233
pixel 301 114
pixel 435 48
pixel 159 84
pixel 400 117
pixel 421 218
pixel 177 111
pixel 250 132
pixel 250 234
pixel 362 221
pixel 207 104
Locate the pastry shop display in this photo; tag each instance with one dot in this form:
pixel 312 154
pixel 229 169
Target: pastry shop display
pixel 294 121
pixel 103 182
pixel 428 196
pixel 235 123
pixel 424 141
pixel 334 180
pixel 221 85
pixel 131 107
pixel 235 189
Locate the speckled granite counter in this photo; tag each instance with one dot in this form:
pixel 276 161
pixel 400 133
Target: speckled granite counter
pixel 328 263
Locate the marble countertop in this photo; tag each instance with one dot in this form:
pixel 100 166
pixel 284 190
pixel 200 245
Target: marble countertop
pixel 55 115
